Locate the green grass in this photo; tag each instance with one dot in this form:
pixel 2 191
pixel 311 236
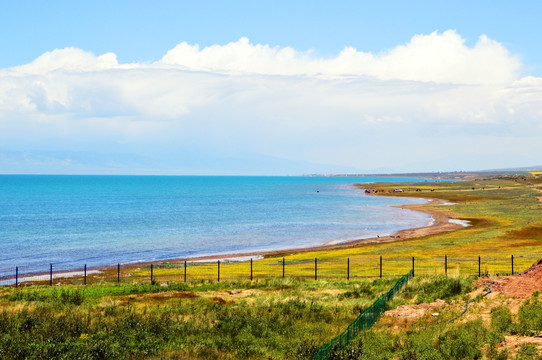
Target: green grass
pixel 275 318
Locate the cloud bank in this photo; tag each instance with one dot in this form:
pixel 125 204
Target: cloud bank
pixel 435 57
pixel 431 104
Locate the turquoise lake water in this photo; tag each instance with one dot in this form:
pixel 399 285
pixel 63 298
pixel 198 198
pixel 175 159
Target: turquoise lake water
pixel 101 220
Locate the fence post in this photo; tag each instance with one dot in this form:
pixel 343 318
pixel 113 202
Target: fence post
pixel 413 266
pixel 479 266
pixel 283 267
pixel 381 266
pixel 251 269
pixel 446 264
pixel 348 270
pixel 218 262
pixel 315 269
pixel 16 276
pixel 151 274
pixel 185 271
pixel 85 281
pixel 50 274
pixel 512 264
pixel 118 273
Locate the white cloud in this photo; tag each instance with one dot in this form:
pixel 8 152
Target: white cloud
pixel 425 97
pixel 67 60
pixel 442 58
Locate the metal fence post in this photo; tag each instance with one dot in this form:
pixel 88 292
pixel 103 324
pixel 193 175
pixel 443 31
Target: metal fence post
pixel 348 270
pixel 315 269
pixel 218 262
pixel 512 264
pixel 85 277
pixel 380 266
pixel 283 266
pixel 118 273
pixel 185 271
pixel 446 264
pixel 151 274
pixel 413 266
pixel 251 278
pixel 16 276
pixel 479 266
pixel 51 274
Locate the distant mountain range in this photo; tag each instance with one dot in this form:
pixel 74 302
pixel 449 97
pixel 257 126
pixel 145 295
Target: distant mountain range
pixel 194 162
pixel 182 163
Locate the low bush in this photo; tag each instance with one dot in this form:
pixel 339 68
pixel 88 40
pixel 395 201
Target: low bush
pixel 528 352
pixel 501 319
pixel 463 341
pixel 427 289
pixel 359 290
pixel 530 317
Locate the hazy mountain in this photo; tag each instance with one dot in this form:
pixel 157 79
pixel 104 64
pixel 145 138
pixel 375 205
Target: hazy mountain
pixel 184 162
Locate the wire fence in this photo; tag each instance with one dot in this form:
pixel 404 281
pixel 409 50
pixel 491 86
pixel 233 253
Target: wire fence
pixel 351 268
pixel 364 321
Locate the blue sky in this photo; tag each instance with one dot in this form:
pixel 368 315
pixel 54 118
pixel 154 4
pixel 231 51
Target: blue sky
pixel 283 87
pixel 143 31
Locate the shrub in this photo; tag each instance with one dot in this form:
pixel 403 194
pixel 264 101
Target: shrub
pixel 75 297
pixel 428 289
pixel 494 338
pixel 306 350
pixel 463 341
pixel 530 317
pixel 528 352
pixel 501 319
pixel 419 346
pixel 359 290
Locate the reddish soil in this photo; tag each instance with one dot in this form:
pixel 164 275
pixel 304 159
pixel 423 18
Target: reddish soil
pixel 520 286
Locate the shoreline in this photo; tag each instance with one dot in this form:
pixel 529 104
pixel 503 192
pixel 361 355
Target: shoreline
pixel 440 223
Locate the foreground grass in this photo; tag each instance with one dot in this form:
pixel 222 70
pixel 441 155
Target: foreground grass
pixel 275 319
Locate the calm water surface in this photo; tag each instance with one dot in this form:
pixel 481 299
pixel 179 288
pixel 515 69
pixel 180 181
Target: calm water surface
pixel 103 220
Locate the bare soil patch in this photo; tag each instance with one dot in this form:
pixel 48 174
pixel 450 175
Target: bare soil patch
pixel 404 315
pixel 520 286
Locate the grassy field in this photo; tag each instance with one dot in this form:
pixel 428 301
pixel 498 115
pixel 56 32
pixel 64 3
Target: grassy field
pixel 289 318
pixel 275 319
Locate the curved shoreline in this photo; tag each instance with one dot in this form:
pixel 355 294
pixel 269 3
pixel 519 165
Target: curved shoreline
pixel 441 217
pixel 440 224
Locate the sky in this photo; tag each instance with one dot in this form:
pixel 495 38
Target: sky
pixel 269 87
